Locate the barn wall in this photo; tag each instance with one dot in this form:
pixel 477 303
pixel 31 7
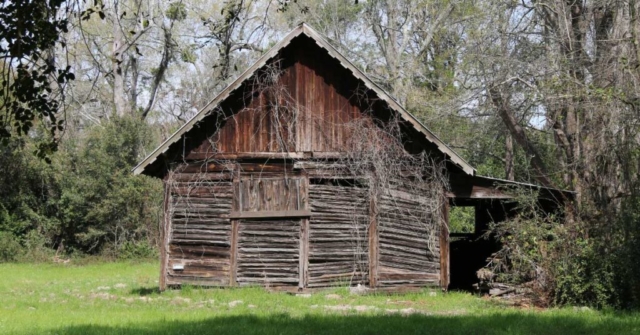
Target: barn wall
pixel 269 246
pixel 268 193
pixel 259 160
pixel 199 232
pixel 268 252
pixel 327 247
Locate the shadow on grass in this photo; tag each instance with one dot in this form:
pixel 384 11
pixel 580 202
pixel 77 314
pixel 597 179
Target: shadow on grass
pixel 388 324
pixel 143 291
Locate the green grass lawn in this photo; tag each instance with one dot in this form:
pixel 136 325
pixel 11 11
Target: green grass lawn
pixel 122 298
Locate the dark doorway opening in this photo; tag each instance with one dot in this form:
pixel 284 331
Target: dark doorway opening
pixel 470 246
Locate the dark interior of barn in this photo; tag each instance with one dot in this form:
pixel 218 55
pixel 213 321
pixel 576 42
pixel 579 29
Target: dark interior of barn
pixel 470 251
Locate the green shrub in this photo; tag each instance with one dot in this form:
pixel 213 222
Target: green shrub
pixel 86 200
pixel 586 279
pixel 36 247
pixel 10 248
pixel 137 250
pixel 102 205
pixel 562 263
pixel 462 220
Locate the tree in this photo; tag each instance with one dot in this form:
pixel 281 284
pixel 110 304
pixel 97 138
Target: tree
pixel 128 28
pixel 562 78
pixel 573 66
pixel 31 81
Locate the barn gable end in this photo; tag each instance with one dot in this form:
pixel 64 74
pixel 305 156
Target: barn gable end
pixel 299 102
pixel 304 58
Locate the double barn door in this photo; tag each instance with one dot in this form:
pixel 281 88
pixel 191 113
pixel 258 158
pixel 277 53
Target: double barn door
pixel 277 242
pixel 269 222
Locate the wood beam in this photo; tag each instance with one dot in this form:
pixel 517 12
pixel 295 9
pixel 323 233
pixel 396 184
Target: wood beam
pixel 303 198
pixel 270 214
pixel 303 257
pixel 444 247
pixel 477 192
pixel 235 227
pixel 164 236
pixel 244 155
pixel 233 254
pixel 373 242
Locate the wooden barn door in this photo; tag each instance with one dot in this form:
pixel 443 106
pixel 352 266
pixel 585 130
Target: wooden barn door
pixel 409 239
pixel 269 238
pixel 338 233
pixel 269 252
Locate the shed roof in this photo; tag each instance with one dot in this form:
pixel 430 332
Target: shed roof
pixel 304 29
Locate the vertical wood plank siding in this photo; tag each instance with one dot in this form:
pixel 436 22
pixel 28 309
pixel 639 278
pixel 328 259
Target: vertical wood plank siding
pixel 270 194
pixel 315 116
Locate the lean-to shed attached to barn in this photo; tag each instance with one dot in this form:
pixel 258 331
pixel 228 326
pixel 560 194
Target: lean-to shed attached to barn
pixel 303 173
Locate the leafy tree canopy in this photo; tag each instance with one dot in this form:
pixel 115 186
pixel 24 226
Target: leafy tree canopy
pixel 31 82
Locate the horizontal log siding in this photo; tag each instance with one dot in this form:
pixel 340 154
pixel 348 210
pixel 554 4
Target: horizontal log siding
pixel 200 233
pixel 268 252
pixel 409 241
pixel 338 236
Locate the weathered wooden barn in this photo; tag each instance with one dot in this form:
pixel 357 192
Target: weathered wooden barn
pixel 266 185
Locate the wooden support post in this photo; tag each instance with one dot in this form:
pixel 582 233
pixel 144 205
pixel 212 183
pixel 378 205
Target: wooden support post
pixel 444 246
pixel 164 236
pixel 236 205
pixel 304 253
pixel 233 254
pixel 303 204
pixel 373 242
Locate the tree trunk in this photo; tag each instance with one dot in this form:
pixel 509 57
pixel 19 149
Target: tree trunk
pixel 508 158
pixel 506 114
pixel 119 93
